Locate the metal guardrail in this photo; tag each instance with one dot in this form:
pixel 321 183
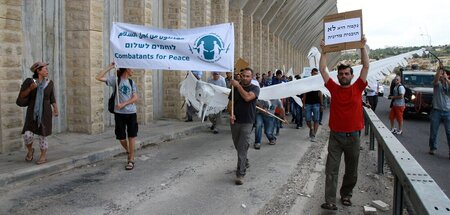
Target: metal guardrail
pixel 411 179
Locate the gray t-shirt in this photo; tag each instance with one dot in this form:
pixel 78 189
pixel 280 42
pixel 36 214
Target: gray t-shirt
pixel 125 93
pixel 219 82
pixel 441 97
pixel 399 90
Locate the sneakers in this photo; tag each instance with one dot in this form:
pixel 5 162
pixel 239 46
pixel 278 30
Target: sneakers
pixel 215 131
pixel 273 142
pixel 239 180
pixel 398 132
pixel 432 152
pixel 393 130
pixel 312 139
pixel 257 145
pixel 212 127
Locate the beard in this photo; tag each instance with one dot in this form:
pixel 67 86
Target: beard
pixel 245 83
pixel 344 81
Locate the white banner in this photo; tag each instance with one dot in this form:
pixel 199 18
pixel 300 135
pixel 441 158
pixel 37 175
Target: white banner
pixel 208 48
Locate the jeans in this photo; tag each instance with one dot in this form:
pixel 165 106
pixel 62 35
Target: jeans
pixel 312 112
pixel 268 122
pixel 298 114
pixel 373 101
pixel 438 116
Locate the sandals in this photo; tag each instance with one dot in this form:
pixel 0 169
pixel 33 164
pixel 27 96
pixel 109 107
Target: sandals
pixel 130 165
pixel 39 162
pixel 32 156
pixel 346 201
pixel 329 206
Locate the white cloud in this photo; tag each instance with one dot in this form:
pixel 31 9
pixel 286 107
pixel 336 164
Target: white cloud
pixel 402 22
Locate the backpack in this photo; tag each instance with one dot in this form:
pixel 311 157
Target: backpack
pixel 392 93
pixel 111 102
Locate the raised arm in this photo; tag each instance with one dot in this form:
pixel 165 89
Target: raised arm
pixel 364 60
pixel 323 63
pixel 101 76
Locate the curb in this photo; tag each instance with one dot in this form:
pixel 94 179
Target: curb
pixel 92 157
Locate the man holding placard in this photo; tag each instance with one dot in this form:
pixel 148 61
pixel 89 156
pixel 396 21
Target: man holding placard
pixel 343 31
pixel 346 122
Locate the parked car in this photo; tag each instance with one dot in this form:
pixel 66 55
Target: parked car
pixel 419 91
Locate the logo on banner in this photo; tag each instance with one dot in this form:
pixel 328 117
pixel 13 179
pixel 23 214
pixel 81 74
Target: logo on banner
pixel 209 48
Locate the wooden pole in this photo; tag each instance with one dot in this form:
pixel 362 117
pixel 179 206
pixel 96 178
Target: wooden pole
pixel 271 114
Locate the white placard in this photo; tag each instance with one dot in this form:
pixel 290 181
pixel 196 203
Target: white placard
pixel 342 31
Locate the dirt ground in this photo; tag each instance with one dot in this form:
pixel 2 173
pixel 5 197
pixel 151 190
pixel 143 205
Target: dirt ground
pixel 304 192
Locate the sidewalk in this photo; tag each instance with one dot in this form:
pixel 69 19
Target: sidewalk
pixel 71 150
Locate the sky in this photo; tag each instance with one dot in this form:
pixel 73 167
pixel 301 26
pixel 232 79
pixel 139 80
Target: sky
pixel 388 23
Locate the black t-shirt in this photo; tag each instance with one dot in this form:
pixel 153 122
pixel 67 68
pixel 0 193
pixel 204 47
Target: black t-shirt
pixel 312 97
pixel 245 111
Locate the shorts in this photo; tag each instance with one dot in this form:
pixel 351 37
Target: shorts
pixel 312 112
pixel 126 122
pixel 397 113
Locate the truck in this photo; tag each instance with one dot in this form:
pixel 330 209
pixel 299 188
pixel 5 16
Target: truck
pixel 419 91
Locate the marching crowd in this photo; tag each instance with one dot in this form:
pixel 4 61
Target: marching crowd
pixel 249 116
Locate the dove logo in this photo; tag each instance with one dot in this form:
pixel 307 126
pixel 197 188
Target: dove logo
pixel 209 48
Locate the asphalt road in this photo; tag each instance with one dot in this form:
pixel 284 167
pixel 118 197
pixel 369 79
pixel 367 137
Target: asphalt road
pixel 416 131
pixel 194 175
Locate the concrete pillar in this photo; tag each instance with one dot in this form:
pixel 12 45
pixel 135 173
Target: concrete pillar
pixel 271 51
pixel 285 54
pixel 84 54
pixel 276 53
pixel 140 12
pixel 247 37
pixel 265 54
pixel 237 17
pixel 11 48
pixel 200 16
pixel 291 53
pixel 257 43
pixel 175 15
pixel 200 12
pixel 219 11
pixel 280 53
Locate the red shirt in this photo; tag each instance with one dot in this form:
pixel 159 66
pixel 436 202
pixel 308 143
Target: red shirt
pixel 346 113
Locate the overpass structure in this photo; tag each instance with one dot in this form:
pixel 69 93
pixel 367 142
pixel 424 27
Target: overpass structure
pixel 73 37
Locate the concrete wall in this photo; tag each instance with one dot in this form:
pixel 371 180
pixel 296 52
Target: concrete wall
pixel 73 36
pixel 11 52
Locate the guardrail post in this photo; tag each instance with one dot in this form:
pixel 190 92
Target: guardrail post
pixel 380 159
pixel 366 125
pixel 398 197
pixel 372 140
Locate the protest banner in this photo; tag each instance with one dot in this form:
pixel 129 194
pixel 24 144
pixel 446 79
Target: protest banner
pixel 208 48
pixel 343 31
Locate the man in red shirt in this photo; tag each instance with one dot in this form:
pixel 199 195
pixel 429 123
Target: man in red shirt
pixel 346 122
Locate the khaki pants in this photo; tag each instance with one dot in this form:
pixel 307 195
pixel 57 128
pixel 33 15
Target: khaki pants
pixel 347 143
pixel 242 135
